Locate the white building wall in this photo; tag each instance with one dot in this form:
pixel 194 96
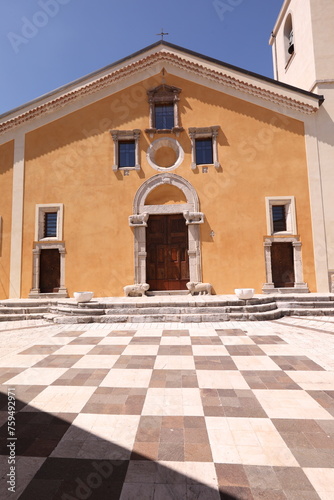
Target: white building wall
pixel 311 67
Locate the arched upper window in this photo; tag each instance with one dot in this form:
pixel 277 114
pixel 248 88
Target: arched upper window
pixel 288 38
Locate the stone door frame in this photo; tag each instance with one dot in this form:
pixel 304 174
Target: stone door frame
pixel 299 285
pixel 190 211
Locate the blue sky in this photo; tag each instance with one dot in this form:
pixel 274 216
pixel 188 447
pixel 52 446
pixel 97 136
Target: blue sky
pixel 47 43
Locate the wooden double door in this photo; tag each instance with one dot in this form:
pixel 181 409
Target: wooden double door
pixel 282 265
pixel 167 264
pixel 49 271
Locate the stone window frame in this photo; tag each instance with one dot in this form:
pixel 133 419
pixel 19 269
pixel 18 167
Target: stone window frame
pixel 164 94
pixel 126 135
pixel 41 210
pixel 165 142
pixel 290 214
pixel 204 133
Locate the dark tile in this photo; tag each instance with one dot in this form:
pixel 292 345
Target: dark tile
pixel 77 478
pixel 58 361
pixel 171 452
pixel 302 495
pixel 236 493
pixel 174 378
pixel 214 363
pixel 41 349
pixel 23 395
pixel 116 401
pixel 37 433
pixel 292 478
pixel 231 475
pixel 73 333
pixel 175 333
pixel 321 458
pixel 135 362
pixel 206 341
pixel 86 341
pixel 325 399
pixel 122 333
pixel 197 452
pixel 175 350
pixel 267 339
pixel 231 332
pixel 245 350
pixel 290 363
pixel 269 380
pixel 145 450
pixel 242 403
pixel 297 425
pixel 259 494
pixel 82 377
pixel 107 350
pixel 145 340
pixel 262 477
pixel 194 422
pixel 8 373
pixel 172 435
pixel 174 422
pixel 196 435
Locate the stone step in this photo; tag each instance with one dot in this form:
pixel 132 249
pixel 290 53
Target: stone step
pixel 166 318
pixel 23 310
pixel 308 312
pixel 21 317
pixel 304 298
pixel 75 311
pixel 169 310
pixel 307 305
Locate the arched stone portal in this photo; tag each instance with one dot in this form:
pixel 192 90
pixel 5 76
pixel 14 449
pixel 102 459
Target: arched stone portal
pixel 189 209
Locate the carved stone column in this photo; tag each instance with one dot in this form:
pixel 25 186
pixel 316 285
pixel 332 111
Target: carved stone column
pixel 269 285
pixel 35 276
pixel 192 135
pixel 115 139
pixel 298 267
pixel 62 287
pixel 215 147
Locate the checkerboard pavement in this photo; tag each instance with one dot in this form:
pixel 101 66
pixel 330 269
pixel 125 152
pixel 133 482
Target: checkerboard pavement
pixel 240 411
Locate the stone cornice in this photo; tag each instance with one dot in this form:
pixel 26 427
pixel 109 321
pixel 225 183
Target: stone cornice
pixel 221 76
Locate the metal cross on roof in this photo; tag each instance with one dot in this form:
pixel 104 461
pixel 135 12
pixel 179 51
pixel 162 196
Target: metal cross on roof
pixel 162 34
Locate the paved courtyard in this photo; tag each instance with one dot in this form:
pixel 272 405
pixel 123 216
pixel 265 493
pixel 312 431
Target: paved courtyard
pixel 234 410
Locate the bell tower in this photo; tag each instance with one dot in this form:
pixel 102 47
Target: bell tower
pixel 303 56
pixel 303 43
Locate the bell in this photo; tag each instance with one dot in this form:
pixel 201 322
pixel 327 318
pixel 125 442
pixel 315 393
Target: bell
pixel 291 47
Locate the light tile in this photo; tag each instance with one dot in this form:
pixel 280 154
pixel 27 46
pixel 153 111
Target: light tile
pixel 139 350
pixel 290 404
pixel 57 399
pixel 313 380
pixel 222 379
pixel 174 363
pixel 255 363
pixel 96 361
pixel 210 350
pixel 127 378
pixel 37 376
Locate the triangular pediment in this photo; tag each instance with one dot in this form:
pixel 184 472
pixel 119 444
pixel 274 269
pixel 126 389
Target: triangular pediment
pixel 152 60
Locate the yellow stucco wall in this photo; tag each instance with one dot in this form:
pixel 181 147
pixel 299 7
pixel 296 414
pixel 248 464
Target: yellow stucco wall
pixel 69 161
pixel 6 183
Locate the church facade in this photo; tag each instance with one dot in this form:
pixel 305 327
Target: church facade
pixel 163 168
